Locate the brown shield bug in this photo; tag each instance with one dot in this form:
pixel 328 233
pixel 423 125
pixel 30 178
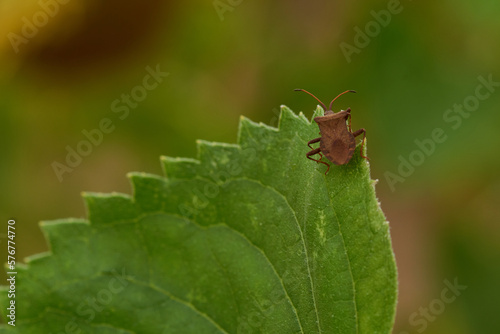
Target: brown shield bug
pixel 337 141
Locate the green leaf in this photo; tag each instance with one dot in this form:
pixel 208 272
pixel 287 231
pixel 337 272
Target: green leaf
pixel 249 238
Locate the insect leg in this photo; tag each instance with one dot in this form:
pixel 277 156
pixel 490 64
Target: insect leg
pixel 312 142
pixel 350 129
pixel 357 133
pixel 317 151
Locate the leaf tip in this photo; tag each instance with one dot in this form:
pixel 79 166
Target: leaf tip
pixel 318 112
pixel 179 168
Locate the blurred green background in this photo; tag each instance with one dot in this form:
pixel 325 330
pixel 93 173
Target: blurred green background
pixel 232 58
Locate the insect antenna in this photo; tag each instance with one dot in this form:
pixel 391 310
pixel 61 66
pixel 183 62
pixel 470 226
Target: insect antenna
pixel 347 91
pixel 305 91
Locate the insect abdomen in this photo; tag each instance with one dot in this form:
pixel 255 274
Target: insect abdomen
pixel 339 151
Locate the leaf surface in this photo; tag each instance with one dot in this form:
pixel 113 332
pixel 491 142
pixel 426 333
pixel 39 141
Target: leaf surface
pixel 250 238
